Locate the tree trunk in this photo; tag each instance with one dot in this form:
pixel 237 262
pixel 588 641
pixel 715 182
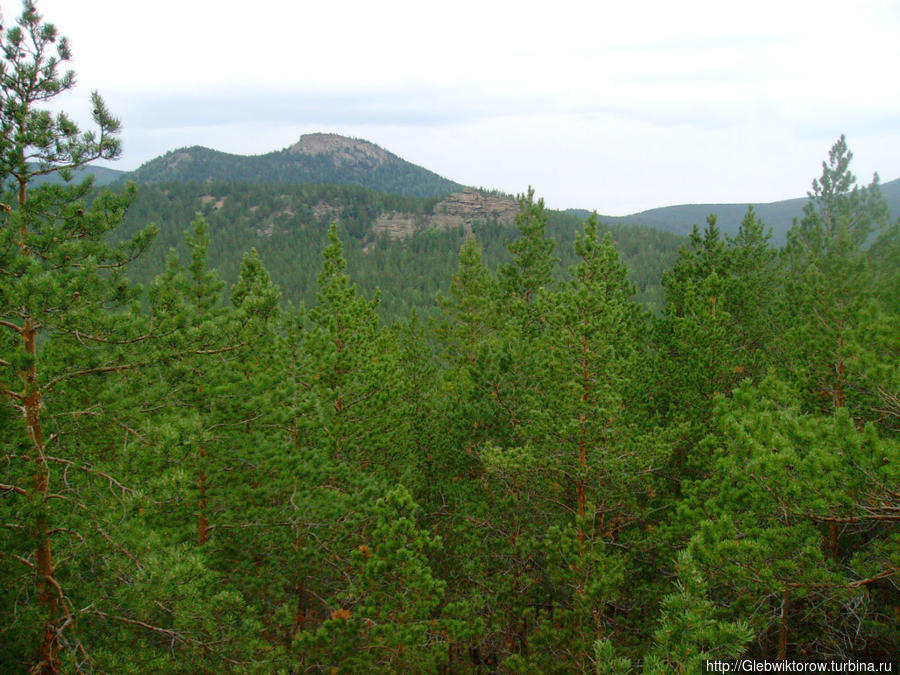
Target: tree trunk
pixel 783 627
pixel 582 438
pixel 46 583
pixel 299 591
pixel 833 539
pixel 202 526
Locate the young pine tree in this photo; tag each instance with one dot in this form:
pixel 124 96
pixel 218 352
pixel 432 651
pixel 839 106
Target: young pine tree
pixel 66 316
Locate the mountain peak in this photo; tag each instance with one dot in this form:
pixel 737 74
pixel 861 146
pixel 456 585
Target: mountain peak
pixel 315 158
pixel 343 149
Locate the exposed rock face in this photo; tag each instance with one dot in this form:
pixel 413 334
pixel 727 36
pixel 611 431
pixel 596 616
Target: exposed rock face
pixel 472 205
pixel 209 199
pixel 324 209
pixel 177 158
pixel 397 225
pixel 462 209
pixel 344 150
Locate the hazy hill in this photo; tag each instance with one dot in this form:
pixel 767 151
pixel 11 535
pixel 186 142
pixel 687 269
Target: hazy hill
pixel 777 215
pixel 102 175
pixel 315 158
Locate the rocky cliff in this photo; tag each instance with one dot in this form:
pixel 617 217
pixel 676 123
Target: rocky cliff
pixel 462 209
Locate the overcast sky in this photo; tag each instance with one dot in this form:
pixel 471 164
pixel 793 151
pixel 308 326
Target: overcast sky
pixel 597 105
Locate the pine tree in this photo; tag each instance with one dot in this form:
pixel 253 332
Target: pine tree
pixel 187 410
pixel 59 293
pixel 792 526
pixel 467 315
pixel 355 365
pixel 715 331
pixel 386 621
pixel 829 284
pixel 689 632
pixel 533 263
pixel 583 469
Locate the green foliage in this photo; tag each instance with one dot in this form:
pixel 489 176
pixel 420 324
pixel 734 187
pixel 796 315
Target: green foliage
pixel 199 483
pixel 829 302
pixel 689 633
pixel 288 226
pixel 532 262
pixel 792 493
pixel 386 620
pixel 67 316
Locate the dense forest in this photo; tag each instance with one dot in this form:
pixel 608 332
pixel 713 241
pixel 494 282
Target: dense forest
pixel 288 226
pixel 537 475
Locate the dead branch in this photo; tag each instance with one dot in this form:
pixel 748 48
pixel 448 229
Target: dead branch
pixel 12 488
pixel 877 577
pixel 88 468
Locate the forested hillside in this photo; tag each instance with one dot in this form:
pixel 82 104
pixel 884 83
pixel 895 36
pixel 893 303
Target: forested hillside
pixel 197 477
pixel 315 158
pixel 332 159
pixel 288 225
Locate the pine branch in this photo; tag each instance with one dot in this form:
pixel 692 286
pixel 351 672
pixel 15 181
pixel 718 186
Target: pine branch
pixel 12 326
pixel 12 488
pixel 173 635
pixel 21 560
pixel 94 371
pixel 878 577
pixel 89 469
pixel 15 396
pixel 118 368
pixel 81 335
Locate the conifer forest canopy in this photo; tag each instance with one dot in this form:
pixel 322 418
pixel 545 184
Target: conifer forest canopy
pixel 531 459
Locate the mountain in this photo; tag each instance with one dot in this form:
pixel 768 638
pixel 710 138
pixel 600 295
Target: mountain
pixel 315 158
pixel 333 159
pixel 402 225
pixel 777 215
pixel 102 176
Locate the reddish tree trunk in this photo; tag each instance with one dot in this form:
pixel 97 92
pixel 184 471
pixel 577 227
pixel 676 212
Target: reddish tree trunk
pixel 202 526
pixel 783 627
pixel 833 539
pixel 46 583
pixel 582 440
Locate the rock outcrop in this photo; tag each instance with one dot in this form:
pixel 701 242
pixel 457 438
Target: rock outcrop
pixel 462 209
pixel 344 150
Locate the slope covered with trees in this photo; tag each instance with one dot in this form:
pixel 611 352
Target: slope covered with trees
pixel 288 226
pixel 315 158
pixel 544 479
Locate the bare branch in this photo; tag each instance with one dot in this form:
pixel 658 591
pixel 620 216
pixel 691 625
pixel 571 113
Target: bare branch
pixel 22 560
pixel 140 364
pixel 881 575
pixel 88 468
pixel 13 394
pixel 12 488
pixel 173 635
pixel 93 371
pixel 11 325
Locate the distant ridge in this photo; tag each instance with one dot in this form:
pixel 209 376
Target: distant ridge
pixel 776 215
pixel 315 158
pixel 102 175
